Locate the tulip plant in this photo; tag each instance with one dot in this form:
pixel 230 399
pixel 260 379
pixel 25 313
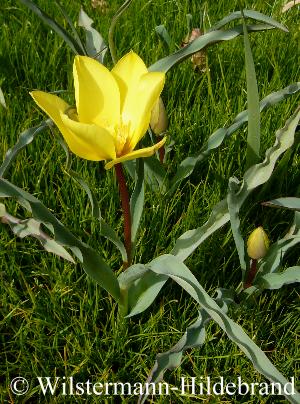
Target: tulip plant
pixel 115 111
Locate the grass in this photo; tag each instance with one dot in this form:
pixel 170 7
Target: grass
pixel 55 321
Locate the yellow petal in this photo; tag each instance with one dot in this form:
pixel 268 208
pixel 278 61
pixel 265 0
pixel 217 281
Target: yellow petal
pixel 139 111
pixel 54 107
pixel 97 140
pixel 145 152
pixel 96 92
pixel 127 73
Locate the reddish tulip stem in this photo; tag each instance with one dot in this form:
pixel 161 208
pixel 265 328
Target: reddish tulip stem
pixel 124 196
pixel 161 151
pixel 251 274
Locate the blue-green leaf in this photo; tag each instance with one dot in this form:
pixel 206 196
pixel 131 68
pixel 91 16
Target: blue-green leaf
pixel 164 36
pixel 215 140
pixel 187 243
pixel 25 138
pixel 105 229
pixel 272 262
pixel 137 200
pixel 155 174
pixel 210 38
pixel 74 45
pixel 71 25
pixel 139 288
pixel 234 208
pixel 254 177
pixel 31 227
pixel 95 45
pixel 91 261
pixel 291 203
pixel 194 337
pixel 279 279
pixel 253 138
pixel 255 15
pixel 170 266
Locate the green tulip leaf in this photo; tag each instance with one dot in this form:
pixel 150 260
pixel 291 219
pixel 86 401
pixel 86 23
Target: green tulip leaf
pixel 32 227
pixel 254 177
pixel 139 287
pixel 233 209
pixel 59 29
pixel 215 140
pixel 291 203
pixel 91 261
pixel 155 174
pixel 279 279
pixel 105 229
pixel 255 15
pixel 194 337
pixel 187 243
pixel 253 137
pixel 210 38
pixel 137 200
pixel 272 262
pixel 72 26
pixel 175 269
pixel 25 139
pixel 95 45
pixel 164 36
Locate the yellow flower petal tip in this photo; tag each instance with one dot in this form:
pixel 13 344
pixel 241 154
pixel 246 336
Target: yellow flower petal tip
pixel 257 244
pixel 112 112
pixel 145 152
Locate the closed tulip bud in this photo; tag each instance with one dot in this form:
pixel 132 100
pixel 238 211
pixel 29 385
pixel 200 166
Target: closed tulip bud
pixel 159 119
pixel 257 244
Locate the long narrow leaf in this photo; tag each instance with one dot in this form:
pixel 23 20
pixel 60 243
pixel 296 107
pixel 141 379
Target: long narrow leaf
pixel 137 200
pixel 284 203
pixel 71 25
pixel 255 15
pixel 105 229
pixel 194 337
pixel 91 261
pixel 272 262
pixel 95 45
pixel 31 227
pixel 210 38
pixel 233 208
pixel 253 138
pixel 279 279
pixel 139 288
pixel 25 139
pixel 254 177
pixel 170 266
pixel 74 45
pixel 215 140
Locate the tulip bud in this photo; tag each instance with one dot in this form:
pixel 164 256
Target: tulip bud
pixel 159 119
pixel 257 244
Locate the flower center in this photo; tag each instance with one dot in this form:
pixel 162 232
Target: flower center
pixel 122 137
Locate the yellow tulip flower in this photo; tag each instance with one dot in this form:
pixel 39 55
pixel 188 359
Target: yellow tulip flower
pixel 257 244
pixel 113 109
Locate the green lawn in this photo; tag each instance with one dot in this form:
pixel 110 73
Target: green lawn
pixel 55 321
